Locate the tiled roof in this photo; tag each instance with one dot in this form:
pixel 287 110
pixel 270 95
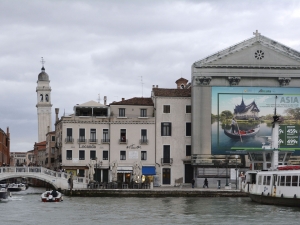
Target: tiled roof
pixel 135 101
pixel 165 92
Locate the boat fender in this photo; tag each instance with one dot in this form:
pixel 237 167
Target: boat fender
pixel 281 195
pixel 295 196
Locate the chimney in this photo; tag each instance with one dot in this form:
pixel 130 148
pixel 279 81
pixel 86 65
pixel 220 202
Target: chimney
pixel 156 86
pixel 123 99
pixel 105 98
pixel 56 113
pixel 48 129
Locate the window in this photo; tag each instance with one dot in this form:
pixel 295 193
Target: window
pixel 122 155
pixel 81 155
pixel 143 113
pixel 144 136
pixel 166 154
pixel 93 135
pixel 52 138
pixel 93 155
pixel 69 154
pixel 105 135
pixel 123 135
pixel 288 181
pixel 295 181
pixel 165 129
pixel 121 112
pixel 105 155
pixel 69 135
pixel 166 108
pixel 143 155
pixel 52 150
pixel 47 97
pixel 188 129
pixel 81 135
pixel 282 180
pixel 188 150
pixel 188 109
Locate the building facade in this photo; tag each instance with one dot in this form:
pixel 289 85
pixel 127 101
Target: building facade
pixel 4 147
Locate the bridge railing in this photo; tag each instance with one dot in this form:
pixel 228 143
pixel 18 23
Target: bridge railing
pixel 33 170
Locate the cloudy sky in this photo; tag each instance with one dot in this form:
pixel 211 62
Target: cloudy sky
pixel 118 49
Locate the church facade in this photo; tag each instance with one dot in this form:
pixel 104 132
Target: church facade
pixel 247 81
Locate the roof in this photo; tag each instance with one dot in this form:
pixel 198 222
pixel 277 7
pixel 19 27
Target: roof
pixel 135 101
pixel 221 58
pixel 90 104
pixel 43 76
pixel 166 92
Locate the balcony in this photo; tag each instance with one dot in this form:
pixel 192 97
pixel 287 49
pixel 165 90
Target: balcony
pixel 144 141
pixel 93 140
pixel 69 140
pixel 81 140
pixel 106 140
pixel 123 141
pixel 168 161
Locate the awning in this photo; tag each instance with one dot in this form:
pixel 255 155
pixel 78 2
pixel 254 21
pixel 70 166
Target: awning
pixel 124 169
pixel 148 170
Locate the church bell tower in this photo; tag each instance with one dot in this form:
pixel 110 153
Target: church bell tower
pixel 43 105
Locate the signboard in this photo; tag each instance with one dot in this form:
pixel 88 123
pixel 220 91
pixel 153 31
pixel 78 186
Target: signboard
pixel 253 108
pixel 288 136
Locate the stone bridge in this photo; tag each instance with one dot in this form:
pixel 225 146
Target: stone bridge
pixel 58 180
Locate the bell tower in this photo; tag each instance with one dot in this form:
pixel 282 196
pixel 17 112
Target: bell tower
pixel 43 105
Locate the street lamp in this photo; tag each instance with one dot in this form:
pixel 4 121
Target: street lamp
pixel 236 156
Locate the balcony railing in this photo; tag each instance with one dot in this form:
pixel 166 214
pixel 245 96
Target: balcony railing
pixel 69 140
pixel 93 140
pixel 168 161
pixel 81 140
pixel 144 141
pixel 106 140
pixel 123 141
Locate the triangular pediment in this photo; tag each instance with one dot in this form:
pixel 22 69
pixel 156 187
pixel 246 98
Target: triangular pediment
pixel 258 51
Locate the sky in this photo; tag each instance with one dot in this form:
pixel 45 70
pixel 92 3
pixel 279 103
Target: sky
pixel 118 48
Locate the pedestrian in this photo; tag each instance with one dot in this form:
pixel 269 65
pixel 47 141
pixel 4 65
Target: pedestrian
pixel 205 183
pixel 193 183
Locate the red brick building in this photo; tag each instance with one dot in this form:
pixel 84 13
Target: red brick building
pixel 4 147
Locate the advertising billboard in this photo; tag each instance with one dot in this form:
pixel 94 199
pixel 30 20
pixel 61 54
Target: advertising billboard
pixel 252 109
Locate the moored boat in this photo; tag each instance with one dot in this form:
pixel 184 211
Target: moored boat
pixel 242 133
pixel 51 196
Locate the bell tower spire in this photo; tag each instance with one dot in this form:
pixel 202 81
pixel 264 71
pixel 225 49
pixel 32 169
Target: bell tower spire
pixel 43 105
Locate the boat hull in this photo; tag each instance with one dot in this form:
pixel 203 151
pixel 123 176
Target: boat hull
pixel 238 136
pixel 269 200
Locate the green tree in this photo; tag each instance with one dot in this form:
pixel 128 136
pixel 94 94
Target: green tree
pixel 226 114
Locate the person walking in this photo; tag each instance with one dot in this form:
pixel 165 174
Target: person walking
pixel 193 183
pixel 205 183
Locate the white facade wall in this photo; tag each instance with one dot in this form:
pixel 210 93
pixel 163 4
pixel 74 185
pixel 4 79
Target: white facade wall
pixel 178 139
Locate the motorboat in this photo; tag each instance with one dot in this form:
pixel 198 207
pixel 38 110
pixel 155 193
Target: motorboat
pixel 4 193
pixel 16 187
pixel 242 133
pixel 51 196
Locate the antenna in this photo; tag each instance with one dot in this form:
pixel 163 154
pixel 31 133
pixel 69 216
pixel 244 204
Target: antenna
pixel 142 84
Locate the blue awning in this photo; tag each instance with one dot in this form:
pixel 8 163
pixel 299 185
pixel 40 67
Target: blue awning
pixel 148 170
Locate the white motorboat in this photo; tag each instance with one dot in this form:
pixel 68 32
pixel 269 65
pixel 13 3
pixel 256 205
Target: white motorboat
pixel 16 187
pixel 51 196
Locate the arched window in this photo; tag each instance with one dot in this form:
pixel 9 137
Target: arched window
pixel 47 97
pixel 41 97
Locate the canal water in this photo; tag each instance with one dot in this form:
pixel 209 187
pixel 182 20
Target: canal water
pixel 26 208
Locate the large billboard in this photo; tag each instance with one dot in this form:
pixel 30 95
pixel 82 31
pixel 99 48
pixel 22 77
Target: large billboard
pixel 253 109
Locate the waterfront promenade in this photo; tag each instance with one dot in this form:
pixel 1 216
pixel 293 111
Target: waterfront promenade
pixel 157 192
